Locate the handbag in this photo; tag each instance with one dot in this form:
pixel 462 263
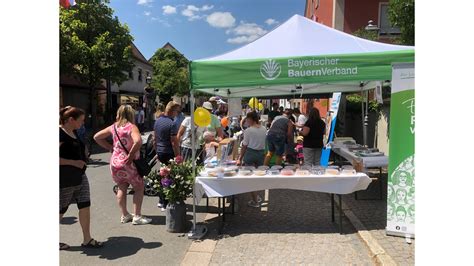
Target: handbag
pixel 143 168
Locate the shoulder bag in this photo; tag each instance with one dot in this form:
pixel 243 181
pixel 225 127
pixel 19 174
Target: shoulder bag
pixel 143 168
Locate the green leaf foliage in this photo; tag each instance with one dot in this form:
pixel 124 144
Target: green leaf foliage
pixel 402 15
pixel 366 34
pixel 94 45
pixel 354 101
pixel 170 70
pixel 181 178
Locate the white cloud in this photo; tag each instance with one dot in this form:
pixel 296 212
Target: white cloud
pixel 243 39
pixel 168 10
pixel 248 29
pixel 163 22
pixel 245 32
pixel 192 12
pixel 271 21
pixel 147 13
pixel 206 7
pixel 144 2
pixel 221 20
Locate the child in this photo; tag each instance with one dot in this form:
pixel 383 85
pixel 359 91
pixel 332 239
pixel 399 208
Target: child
pixel 299 149
pixel 210 145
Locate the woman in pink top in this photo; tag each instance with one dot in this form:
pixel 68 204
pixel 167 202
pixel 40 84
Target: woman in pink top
pixel 124 172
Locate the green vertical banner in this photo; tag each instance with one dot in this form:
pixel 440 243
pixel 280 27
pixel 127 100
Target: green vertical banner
pixel 401 168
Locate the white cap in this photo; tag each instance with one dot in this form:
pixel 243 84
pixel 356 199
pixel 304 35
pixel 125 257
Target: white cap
pixel 220 101
pixel 207 105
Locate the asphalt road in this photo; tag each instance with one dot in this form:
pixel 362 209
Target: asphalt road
pixel 124 243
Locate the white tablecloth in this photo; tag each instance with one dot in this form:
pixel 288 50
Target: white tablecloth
pixel 373 161
pixel 227 186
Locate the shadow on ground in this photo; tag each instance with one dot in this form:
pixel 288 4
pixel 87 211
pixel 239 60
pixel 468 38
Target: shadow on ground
pixel 69 220
pixel 117 247
pixel 286 211
pixel 369 208
pixel 96 163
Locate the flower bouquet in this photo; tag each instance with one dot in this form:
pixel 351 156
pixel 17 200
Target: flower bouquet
pixel 175 180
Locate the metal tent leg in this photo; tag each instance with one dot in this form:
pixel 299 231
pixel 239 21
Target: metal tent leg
pixel 332 207
pixel 340 213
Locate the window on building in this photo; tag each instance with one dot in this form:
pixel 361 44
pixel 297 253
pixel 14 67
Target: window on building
pixel 140 78
pixel 130 75
pixel 386 28
pixel 147 74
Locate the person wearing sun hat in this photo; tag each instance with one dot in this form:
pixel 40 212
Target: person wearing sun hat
pixel 215 125
pixel 213 101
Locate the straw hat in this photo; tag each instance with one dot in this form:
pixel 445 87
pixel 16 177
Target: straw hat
pixel 207 105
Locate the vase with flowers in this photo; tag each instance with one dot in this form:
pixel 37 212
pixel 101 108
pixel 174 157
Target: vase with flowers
pixel 175 181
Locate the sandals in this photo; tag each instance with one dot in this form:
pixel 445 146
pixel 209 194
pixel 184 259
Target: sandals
pixel 63 246
pixel 93 244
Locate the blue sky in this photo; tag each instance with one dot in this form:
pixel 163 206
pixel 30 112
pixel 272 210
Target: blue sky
pixel 203 28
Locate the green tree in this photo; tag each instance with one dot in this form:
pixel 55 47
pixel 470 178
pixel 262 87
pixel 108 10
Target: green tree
pixel 402 15
pixel 170 70
pixel 366 34
pixel 94 46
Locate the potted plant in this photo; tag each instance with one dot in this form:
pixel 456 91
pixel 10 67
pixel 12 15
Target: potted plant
pixel 175 181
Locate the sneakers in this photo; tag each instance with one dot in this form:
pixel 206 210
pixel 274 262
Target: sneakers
pixel 253 204
pixel 126 219
pixel 162 208
pixel 138 220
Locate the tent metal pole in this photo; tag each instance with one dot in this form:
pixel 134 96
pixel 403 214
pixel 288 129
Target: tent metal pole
pixel 366 117
pixel 198 231
pixel 193 145
pixel 362 115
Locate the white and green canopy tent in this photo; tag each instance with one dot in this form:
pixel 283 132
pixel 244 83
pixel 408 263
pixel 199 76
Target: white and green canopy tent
pixel 301 54
pixel 298 57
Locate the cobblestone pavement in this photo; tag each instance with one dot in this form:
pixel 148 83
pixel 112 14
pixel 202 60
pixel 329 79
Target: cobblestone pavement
pixel 294 228
pixel 372 213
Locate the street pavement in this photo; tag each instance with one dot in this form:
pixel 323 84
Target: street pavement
pixel 373 214
pixel 291 227
pixel 124 243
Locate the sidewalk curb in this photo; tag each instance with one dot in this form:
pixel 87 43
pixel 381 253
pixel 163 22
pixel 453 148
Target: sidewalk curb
pixel 200 251
pixel 378 253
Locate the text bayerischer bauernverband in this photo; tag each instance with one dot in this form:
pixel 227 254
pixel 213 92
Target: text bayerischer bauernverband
pixel 325 71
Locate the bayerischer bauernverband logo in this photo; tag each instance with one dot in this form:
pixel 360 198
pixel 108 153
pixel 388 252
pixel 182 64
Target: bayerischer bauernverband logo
pixel 270 70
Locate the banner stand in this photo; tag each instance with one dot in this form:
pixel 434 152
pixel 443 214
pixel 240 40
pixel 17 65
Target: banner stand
pixel 401 168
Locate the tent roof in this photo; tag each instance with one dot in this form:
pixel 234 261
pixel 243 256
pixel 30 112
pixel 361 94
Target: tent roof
pixel 300 36
pixel 300 53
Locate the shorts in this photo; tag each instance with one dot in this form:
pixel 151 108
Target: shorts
pixel 76 194
pixel 276 144
pixel 253 157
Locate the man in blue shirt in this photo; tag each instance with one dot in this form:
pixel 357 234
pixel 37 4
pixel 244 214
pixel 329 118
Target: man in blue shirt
pixel 166 142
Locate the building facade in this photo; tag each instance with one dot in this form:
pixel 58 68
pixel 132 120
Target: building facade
pixel 76 93
pixel 352 15
pixel 132 90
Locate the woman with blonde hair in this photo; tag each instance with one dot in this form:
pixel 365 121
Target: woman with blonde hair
pixel 73 182
pixel 126 146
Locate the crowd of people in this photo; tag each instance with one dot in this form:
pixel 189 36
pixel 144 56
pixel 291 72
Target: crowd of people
pixel 172 133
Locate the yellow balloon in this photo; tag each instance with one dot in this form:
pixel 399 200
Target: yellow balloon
pixel 202 117
pixel 260 106
pixel 253 103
